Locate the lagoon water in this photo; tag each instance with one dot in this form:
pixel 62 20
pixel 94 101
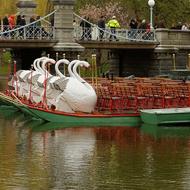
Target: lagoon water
pixel 43 156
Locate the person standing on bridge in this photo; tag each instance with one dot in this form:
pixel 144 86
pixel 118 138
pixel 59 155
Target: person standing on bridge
pixel 113 24
pixel 22 23
pixel 83 26
pixel 11 20
pixel 101 27
pixel 86 28
pixel 32 27
pixel 5 25
pixel 133 28
pixel 18 19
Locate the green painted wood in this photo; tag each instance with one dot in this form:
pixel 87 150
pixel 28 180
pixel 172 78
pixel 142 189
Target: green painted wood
pixel 166 116
pixel 107 120
pixel 129 119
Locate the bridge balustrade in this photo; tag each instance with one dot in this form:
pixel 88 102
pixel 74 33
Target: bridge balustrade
pixel 28 32
pixel 123 35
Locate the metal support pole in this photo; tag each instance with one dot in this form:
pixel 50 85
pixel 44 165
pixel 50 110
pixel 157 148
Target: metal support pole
pixel 188 62
pixel 64 66
pixel 94 70
pixel 151 3
pixel 151 15
pixel 174 62
pixel 15 78
pixel 78 57
pixel 57 56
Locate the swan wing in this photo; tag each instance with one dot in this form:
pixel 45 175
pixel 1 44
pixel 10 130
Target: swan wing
pixel 24 75
pixel 34 78
pixel 60 84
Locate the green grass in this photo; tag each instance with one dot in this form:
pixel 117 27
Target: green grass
pixel 5 63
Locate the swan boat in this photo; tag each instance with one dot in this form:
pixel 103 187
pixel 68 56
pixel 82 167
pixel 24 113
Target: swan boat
pixel 131 119
pixel 78 98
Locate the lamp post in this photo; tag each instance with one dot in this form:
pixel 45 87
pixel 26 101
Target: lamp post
pixel 151 4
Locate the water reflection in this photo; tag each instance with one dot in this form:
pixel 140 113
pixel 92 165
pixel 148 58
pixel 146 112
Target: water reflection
pixel 163 131
pixel 36 155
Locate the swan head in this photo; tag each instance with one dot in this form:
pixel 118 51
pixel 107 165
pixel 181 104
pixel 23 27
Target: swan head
pixel 42 58
pixel 33 65
pixel 51 61
pixel 44 62
pixel 74 61
pixel 47 60
pixel 84 63
pixel 65 61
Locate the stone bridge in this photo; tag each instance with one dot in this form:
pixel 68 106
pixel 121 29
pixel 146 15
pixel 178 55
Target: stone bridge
pixel 158 53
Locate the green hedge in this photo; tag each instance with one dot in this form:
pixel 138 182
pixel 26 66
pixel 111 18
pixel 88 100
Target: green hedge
pixel 5 63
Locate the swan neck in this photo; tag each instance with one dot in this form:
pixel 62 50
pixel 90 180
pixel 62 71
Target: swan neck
pixel 78 77
pixel 70 68
pixel 58 72
pixel 39 67
pixel 34 65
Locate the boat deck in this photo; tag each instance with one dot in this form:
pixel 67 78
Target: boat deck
pixel 135 94
pixel 167 110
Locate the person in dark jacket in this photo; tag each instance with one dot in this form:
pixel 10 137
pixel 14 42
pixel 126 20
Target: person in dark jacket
pixel 32 27
pixel 83 26
pixel 86 29
pixel 22 23
pixel 18 19
pixel 133 24
pixel 133 28
pixel 6 25
pixel 102 26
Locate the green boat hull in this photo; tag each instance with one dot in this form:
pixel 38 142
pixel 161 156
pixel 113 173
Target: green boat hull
pixel 166 116
pixel 12 103
pixel 132 120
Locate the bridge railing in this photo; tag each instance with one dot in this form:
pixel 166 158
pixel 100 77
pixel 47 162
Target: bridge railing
pixel 33 30
pixel 95 33
pixel 28 32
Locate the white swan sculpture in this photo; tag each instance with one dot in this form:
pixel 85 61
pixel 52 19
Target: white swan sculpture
pixel 88 99
pixel 77 93
pixel 51 92
pixel 33 90
pixel 42 81
pixel 60 84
